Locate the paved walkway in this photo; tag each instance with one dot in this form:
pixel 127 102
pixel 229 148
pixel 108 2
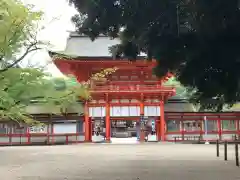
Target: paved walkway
pixel 116 162
pixel 124 140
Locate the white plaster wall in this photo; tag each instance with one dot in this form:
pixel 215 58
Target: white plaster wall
pixel 64 128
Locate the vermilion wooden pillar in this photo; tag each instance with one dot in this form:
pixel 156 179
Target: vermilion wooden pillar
pixel 108 123
pixel 142 132
pixel 162 121
pixel 52 133
pixel 90 128
pixel 29 136
pixel 238 129
pixel 87 124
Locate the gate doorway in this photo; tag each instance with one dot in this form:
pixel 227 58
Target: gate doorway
pixel 133 129
pixel 123 129
pixel 98 130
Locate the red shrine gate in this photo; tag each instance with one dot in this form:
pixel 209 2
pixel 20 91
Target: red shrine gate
pixel 130 94
pixel 132 108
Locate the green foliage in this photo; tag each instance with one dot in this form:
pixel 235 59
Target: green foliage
pixel 68 92
pixel 197 40
pixel 18 26
pixel 182 92
pixel 21 87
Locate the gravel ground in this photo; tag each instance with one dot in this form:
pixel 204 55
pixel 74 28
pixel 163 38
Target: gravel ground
pixel 116 162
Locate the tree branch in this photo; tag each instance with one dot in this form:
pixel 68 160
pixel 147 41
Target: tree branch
pixel 22 57
pixel 52 98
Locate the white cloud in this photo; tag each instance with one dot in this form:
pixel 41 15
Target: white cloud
pixel 57 22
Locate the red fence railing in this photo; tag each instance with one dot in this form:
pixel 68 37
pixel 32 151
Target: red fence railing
pixel 176 130
pixel 211 130
pixel 41 139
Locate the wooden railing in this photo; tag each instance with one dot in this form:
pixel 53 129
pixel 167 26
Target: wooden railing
pixel 40 139
pixel 134 88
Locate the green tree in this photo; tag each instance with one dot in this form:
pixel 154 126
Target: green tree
pixel 184 93
pixel 18 31
pixel 197 40
pixel 21 87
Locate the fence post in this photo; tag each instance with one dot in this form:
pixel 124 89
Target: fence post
pixel 10 138
pixel 20 139
pixel 235 137
pixel 225 151
pixel 199 139
pixel 236 153
pixel 66 138
pixel 217 146
pixel 175 139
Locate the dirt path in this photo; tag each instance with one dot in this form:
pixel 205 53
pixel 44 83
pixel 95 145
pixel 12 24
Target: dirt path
pixel 116 162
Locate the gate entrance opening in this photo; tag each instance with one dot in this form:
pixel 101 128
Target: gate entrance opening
pixel 123 129
pixel 135 129
pixel 98 130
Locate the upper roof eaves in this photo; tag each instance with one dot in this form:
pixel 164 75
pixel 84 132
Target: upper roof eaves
pixel 73 34
pixel 65 56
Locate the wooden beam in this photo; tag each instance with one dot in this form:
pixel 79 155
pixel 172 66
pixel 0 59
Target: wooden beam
pixel 108 62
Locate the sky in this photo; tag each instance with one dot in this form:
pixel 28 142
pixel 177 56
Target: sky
pixel 57 22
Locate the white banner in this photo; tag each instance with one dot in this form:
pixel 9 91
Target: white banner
pixel 151 111
pixel 115 111
pixel 97 111
pixel 124 111
pixel 134 110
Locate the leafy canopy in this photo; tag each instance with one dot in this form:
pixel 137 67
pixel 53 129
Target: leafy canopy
pixel 197 40
pixel 18 28
pixel 182 92
pixel 20 88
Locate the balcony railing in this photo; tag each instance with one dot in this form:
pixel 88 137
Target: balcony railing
pixel 134 88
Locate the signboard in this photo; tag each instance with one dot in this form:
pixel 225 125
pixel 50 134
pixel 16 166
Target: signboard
pixel 38 129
